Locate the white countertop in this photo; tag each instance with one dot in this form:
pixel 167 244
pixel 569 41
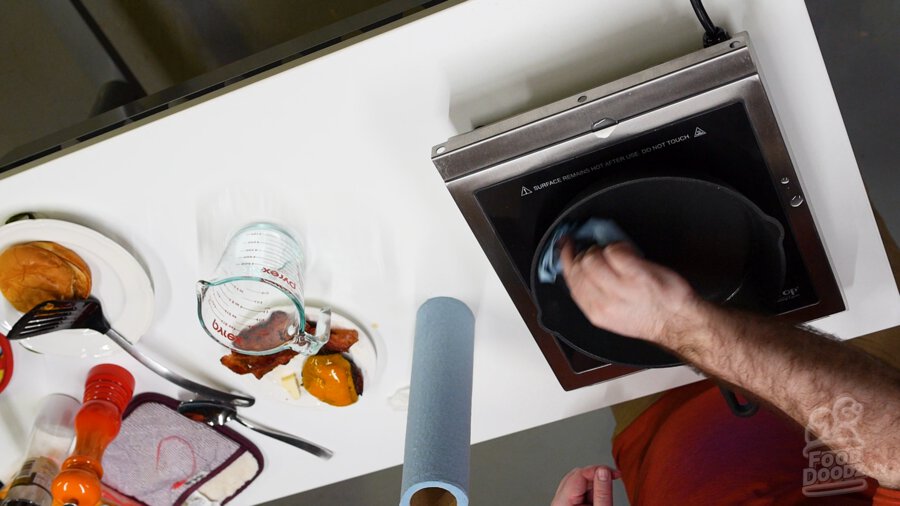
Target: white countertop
pixel 339 146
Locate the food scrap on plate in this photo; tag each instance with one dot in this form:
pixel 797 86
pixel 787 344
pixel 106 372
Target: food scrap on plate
pixel 259 365
pixel 330 376
pixel 291 385
pixel 340 341
pixel 268 335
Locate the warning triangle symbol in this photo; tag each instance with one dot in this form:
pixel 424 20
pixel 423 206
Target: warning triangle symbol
pixel 698 132
pixel 525 191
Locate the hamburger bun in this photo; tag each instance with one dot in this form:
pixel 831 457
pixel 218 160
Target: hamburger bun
pixel 34 272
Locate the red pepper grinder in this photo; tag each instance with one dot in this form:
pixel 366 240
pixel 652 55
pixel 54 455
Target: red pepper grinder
pixel 107 391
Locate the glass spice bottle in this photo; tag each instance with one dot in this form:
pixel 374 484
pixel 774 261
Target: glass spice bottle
pixel 49 443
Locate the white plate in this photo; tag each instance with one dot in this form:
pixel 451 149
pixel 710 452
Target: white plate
pixel 118 282
pixel 364 354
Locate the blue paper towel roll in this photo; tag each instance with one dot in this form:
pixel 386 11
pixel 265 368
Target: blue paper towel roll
pixel 438 424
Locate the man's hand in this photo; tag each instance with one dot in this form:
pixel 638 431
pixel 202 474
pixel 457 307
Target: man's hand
pixel 799 372
pixel 586 486
pixel 621 292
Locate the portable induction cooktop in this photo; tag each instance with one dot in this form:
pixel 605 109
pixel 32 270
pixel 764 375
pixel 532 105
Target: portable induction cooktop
pixel 704 116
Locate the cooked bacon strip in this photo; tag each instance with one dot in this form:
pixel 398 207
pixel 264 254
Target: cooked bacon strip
pixel 340 341
pixel 266 335
pixel 258 366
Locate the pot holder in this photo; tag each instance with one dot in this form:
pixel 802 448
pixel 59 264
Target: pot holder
pixel 162 458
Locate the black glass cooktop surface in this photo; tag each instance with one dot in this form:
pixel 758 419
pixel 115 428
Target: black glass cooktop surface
pixel 718 146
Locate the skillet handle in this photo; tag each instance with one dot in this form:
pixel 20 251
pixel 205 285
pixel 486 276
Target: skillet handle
pixel 743 410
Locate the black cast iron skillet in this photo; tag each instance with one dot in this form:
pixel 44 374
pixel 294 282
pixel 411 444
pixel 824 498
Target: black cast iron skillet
pixel 719 241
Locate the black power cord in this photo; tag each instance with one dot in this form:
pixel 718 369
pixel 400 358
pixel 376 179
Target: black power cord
pixel 713 34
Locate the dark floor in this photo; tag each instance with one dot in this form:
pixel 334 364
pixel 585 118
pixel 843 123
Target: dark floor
pixel 522 469
pixel 859 41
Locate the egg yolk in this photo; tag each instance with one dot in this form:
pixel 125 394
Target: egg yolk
pixel 329 378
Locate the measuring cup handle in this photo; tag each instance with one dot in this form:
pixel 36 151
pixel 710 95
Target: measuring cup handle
pixel 323 325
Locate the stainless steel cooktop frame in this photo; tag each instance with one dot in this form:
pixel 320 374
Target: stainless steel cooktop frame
pixel 713 77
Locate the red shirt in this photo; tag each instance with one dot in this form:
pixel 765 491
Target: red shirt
pixel 688 448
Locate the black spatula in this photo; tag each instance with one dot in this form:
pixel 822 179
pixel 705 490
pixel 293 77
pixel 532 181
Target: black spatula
pixel 87 314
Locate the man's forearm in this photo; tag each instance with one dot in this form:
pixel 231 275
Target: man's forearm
pixel 801 373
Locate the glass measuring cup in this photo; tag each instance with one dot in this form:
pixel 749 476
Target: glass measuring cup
pixel 254 303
